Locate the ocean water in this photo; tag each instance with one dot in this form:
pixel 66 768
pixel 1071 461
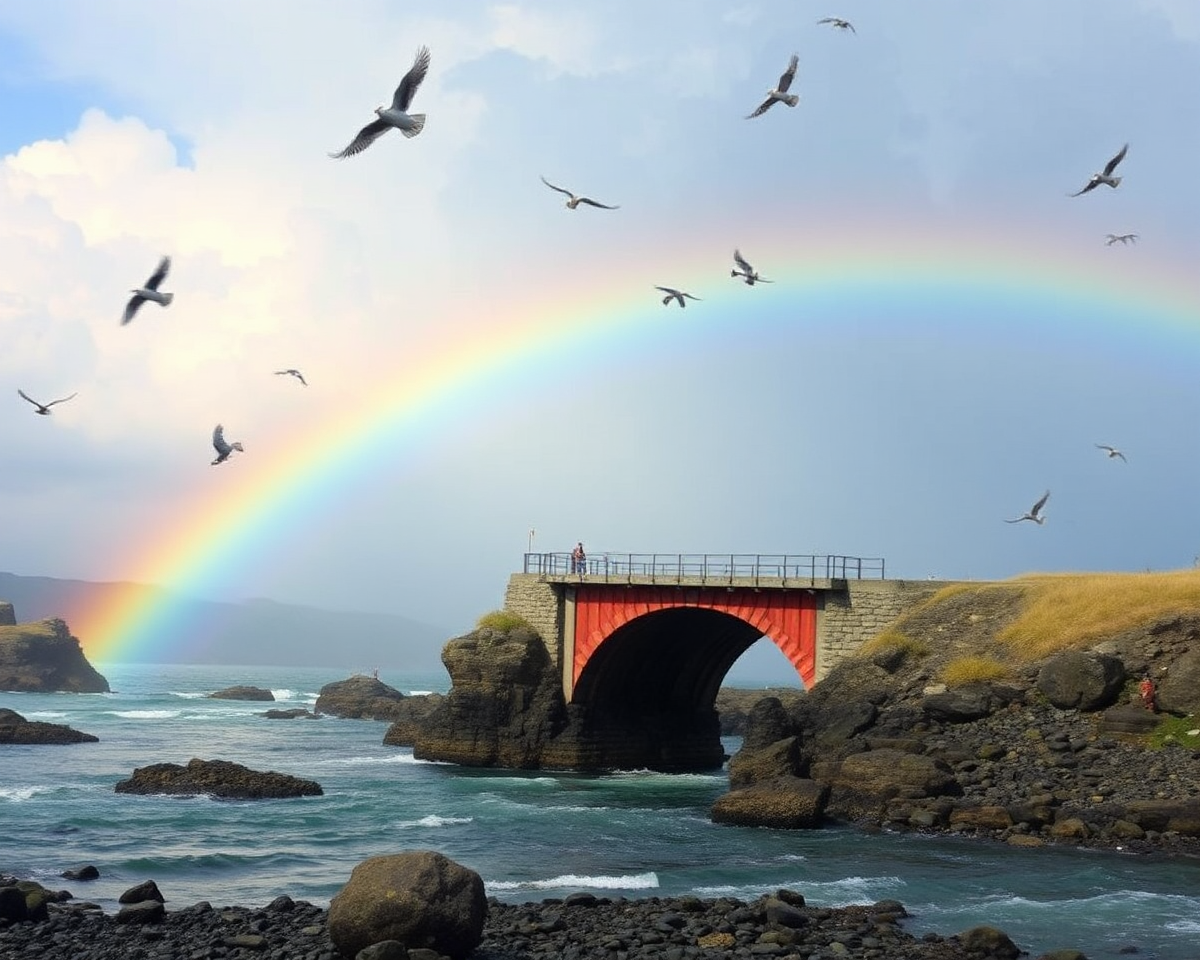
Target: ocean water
pixel 528 835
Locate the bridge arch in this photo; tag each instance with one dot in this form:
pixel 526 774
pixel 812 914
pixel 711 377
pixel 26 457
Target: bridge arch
pixel 650 642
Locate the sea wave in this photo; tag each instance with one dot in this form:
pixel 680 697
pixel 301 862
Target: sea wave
pixel 19 794
pixel 145 714
pixel 44 715
pixel 637 881
pixel 833 893
pixel 433 820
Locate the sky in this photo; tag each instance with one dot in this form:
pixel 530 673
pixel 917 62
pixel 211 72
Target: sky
pixel 948 335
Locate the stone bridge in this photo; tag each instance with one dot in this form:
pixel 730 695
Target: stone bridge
pixel 654 626
pixel 636 648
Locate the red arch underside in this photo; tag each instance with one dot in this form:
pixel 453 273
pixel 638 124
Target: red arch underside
pixel 788 617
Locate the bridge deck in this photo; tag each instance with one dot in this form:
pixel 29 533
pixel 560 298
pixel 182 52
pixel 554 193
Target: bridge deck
pixel 777 571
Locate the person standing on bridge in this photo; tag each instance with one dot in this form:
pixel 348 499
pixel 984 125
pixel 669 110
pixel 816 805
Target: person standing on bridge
pixel 578 559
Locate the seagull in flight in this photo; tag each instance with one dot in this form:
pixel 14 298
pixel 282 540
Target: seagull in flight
pixel 1121 238
pixel 149 291
pixel 839 23
pixel 43 408
pixel 397 115
pixel 224 449
pixel 574 201
pixel 292 373
pixel 673 294
pixel 1105 176
pixel 1112 452
pixel 748 274
pixel 781 91
pixel 1034 513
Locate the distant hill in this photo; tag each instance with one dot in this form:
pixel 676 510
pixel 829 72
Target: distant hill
pixel 249 632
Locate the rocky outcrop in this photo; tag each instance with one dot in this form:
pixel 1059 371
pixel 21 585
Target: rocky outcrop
pixel 242 693
pixel 216 778
pixel 734 705
pixel 8 616
pixel 1056 752
pixel 15 729
pixel 360 698
pixel 505 703
pixel 1179 686
pixel 409 718
pixel 43 657
pixel 421 899
pixel 292 713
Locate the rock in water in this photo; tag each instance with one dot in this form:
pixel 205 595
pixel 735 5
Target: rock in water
pixel 14 728
pixel 242 692
pixel 43 657
pixel 420 898
pixel 217 778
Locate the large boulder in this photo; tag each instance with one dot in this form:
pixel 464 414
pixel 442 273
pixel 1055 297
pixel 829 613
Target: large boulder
pixel 1179 689
pixel 862 784
pixel 778 759
pixel 217 778
pixel 420 898
pixel 43 657
pixel 8 616
pixel 360 698
pixel 14 728
pixel 1080 679
pixel 242 693
pixel 735 705
pixel 787 803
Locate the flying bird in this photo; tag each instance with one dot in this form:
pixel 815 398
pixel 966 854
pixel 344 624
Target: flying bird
pixel 224 449
pixel 292 373
pixel 781 91
pixel 397 115
pixel 1105 176
pixel 839 23
pixel 748 274
pixel 673 294
pixel 574 201
pixel 43 408
pixel 1034 513
pixel 1112 452
pixel 149 291
pixel 1121 238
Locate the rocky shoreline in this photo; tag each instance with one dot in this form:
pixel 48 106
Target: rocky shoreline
pixel 580 926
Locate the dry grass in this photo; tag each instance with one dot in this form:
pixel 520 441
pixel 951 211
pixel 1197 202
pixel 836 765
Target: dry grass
pixel 26 631
pixel 1065 611
pixel 504 621
pixel 894 640
pixel 972 670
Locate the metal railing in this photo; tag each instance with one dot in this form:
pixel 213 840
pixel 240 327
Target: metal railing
pixel 707 567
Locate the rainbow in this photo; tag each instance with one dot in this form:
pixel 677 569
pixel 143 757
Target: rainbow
pixel 562 325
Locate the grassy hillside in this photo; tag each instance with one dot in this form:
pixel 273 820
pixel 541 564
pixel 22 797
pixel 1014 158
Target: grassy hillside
pixel 981 631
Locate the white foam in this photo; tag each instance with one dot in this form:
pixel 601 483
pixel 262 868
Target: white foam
pixel 44 715
pixel 145 714
pixel 284 693
pixel 433 820
pixel 187 694
pixel 419 693
pixel 18 794
pixel 637 881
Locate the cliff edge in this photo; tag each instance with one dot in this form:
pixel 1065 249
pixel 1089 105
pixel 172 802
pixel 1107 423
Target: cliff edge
pixel 43 657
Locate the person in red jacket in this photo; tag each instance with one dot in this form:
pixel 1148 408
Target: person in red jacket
pixel 1146 692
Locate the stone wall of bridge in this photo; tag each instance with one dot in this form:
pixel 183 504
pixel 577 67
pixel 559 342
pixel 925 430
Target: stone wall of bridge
pixel 865 608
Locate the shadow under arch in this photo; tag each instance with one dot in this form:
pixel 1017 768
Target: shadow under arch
pixel 647 695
